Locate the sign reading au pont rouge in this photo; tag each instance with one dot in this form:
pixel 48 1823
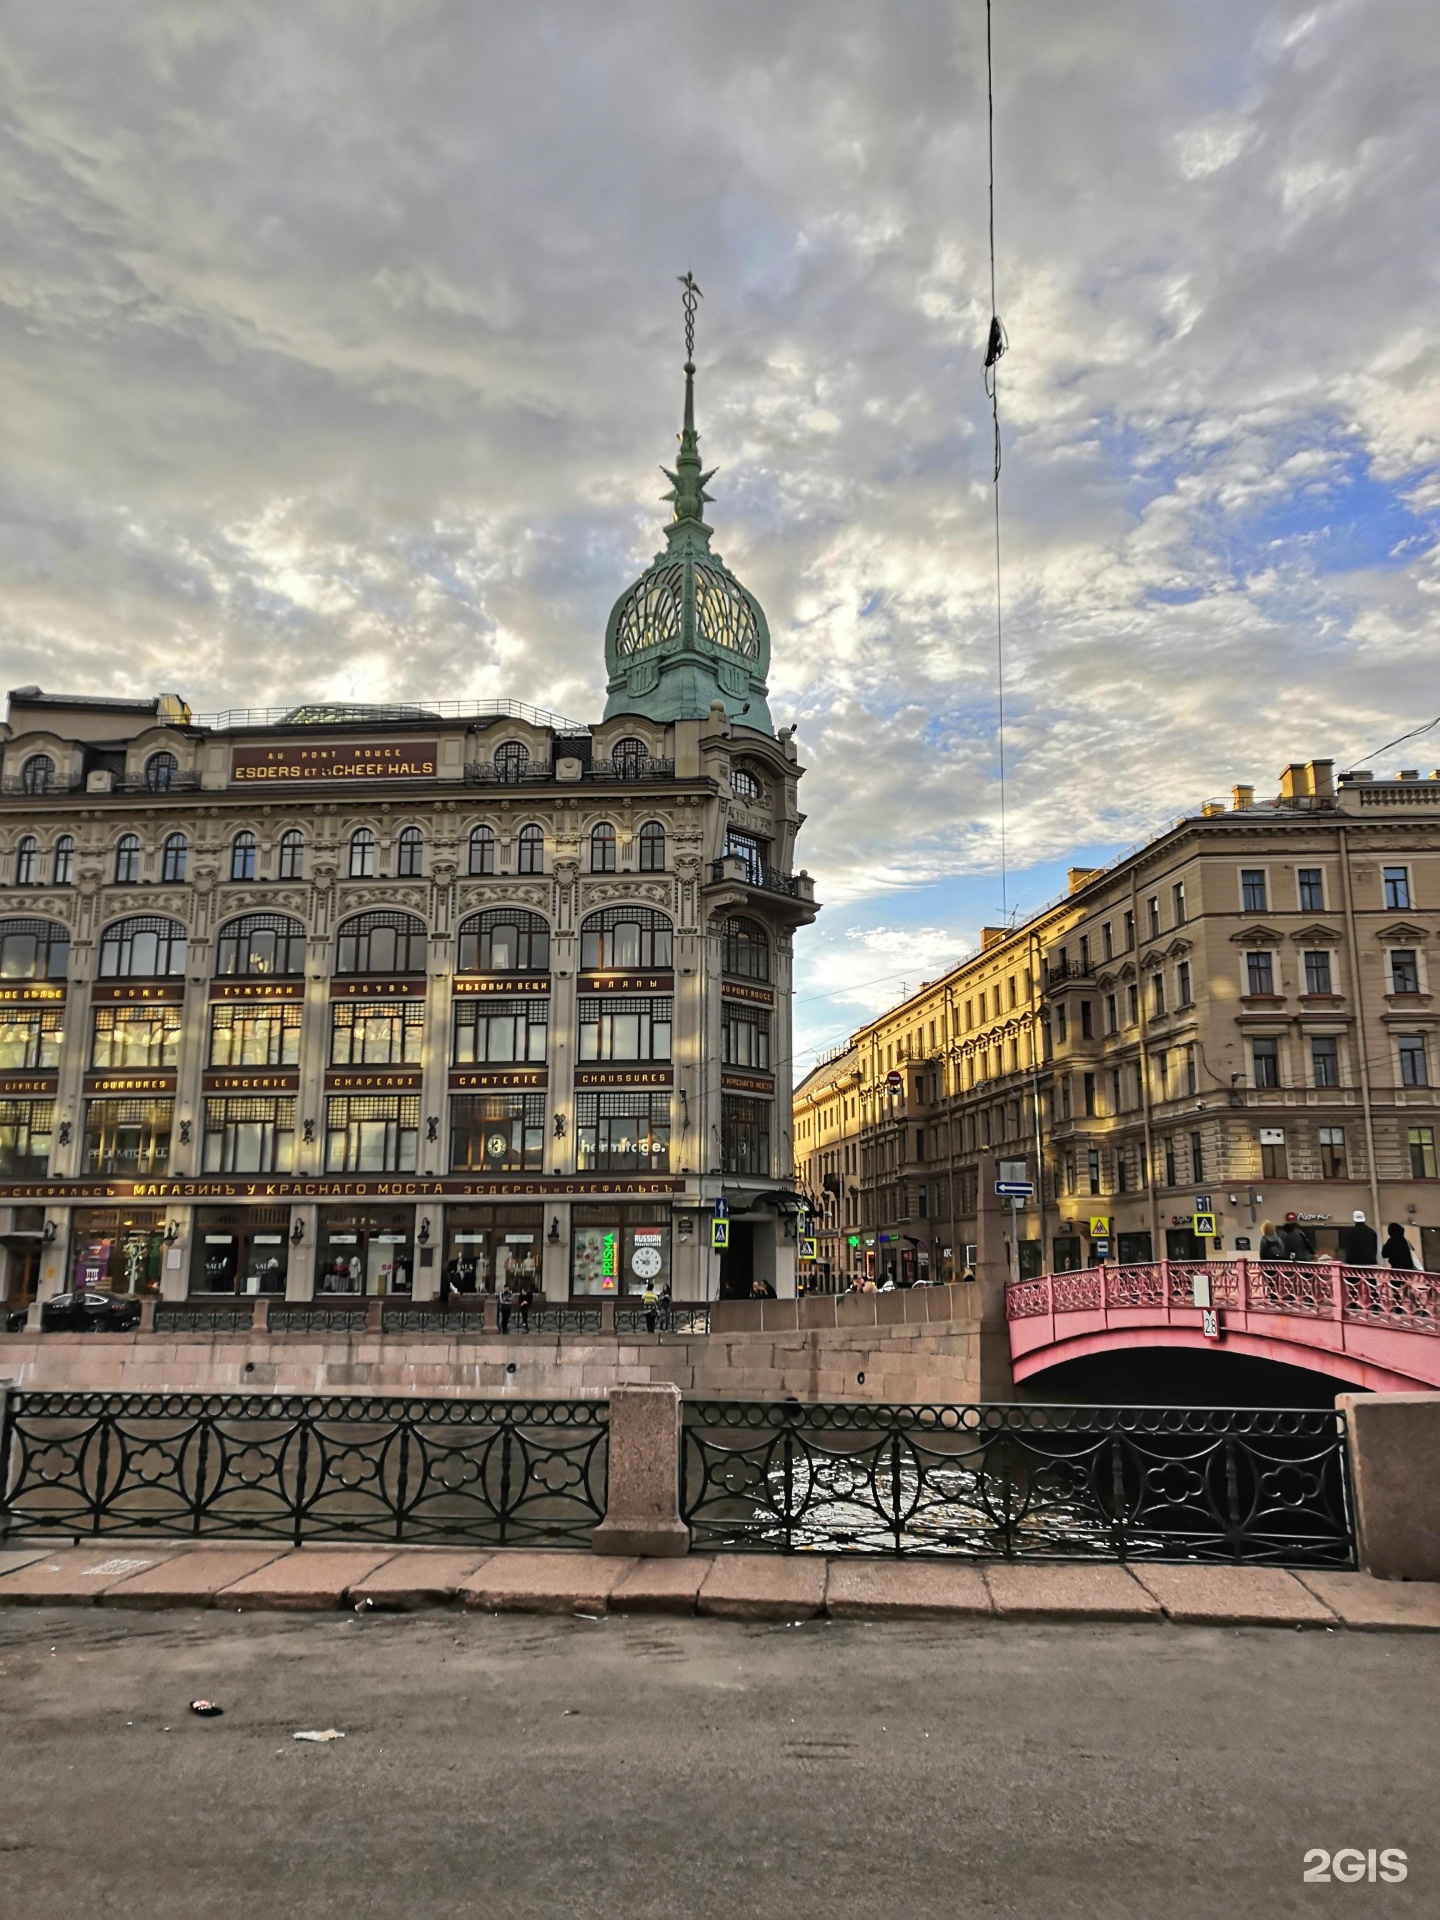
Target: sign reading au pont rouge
pixel 346 760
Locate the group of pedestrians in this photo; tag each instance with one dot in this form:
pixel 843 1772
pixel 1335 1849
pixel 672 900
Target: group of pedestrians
pixel 1359 1243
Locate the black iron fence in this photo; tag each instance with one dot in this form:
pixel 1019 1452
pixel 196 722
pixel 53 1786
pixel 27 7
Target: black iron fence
pixel 1020 1482
pixel 496 1473
pixel 671 1317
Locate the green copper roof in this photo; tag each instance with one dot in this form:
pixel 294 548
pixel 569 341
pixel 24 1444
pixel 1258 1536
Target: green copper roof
pixel 687 634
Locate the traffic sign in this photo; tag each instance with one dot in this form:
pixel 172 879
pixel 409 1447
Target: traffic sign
pixel 1017 1189
pixel 719 1232
pixel 1202 1225
pixel 1100 1227
pixel 1209 1324
pixel 894 1082
pixel 722 1208
pixel 809 1248
pixel 1203 1203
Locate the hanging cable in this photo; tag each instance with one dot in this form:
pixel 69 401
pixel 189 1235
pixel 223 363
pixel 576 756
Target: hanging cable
pixel 995 348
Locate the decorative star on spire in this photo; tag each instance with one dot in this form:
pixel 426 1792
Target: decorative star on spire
pixel 687 482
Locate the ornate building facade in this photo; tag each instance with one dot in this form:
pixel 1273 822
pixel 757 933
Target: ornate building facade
pixel 329 1000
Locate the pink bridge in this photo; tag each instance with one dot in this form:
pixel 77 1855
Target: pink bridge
pixel 1367 1326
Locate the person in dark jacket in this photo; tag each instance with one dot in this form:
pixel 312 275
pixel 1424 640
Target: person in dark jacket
pixel 1396 1251
pixel 1295 1240
pixel 1272 1247
pixel 449 1274
pixel 1362 1243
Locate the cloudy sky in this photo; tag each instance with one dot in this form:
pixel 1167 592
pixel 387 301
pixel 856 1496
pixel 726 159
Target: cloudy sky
pixel 340 348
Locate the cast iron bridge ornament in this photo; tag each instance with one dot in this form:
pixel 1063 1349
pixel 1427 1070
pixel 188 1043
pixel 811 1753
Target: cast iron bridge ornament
pixel 1019 1482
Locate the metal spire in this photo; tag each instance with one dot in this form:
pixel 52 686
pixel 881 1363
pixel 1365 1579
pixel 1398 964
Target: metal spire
pixel 687 482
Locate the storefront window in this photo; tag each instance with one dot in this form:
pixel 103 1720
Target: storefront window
pixel 619 1250
pixel 497 1133
pixel 136 1037
pixel 26 1128
pixel 745 1127
pixel 33 950
pixel 622 1132
pixel 130 1138
pixel 365 1252
pixel 119 1250
pixel 255 1036
pixel 240 1250
pixel 500 1030
pixel 372 1133
pixel 625 938
pixel 249 1136
pixel 30 1039
pixel 376 1033
pixel 486 1245
pixel 504 940
pixel 621 1026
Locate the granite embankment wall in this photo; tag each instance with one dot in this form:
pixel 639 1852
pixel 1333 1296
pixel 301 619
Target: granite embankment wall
pixel 925 1345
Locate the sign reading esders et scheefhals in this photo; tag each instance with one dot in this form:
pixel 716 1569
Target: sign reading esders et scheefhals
pixel 295 760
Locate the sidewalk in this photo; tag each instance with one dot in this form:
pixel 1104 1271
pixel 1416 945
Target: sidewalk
pixel 735 1586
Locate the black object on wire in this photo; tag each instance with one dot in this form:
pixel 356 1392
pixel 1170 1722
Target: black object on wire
pixel 995 347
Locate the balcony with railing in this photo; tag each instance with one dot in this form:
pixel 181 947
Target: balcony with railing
pixel 735 871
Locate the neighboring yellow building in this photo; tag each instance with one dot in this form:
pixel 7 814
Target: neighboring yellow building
pixel 1241 1012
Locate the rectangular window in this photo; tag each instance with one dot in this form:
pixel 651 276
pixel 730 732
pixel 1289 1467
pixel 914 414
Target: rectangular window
pixel 752 853
pixel 1414 1068
pixel 1157 993
pixel 30 1039
pixel 1116 1097
pixel 130 1138
pixel 1260 973
pixel 497 1133
pixel 1107 939
pixel 1252 889
pixel 1112 1014
pixel 1310 883
pixel 1317 972
pixel 744 1036
pixel 372 1133
pixel 136 1037
pixel 1397 886
pixel 622 1132
pixel 1084 955
pixel 1162 1074
pixel 1182 984
pixel 1274 1162
pixel 376 1033
pixel 619 1250
pixel 1152 907
pixel 1064 1099
pixel 1170 1179
pixel 1404 970
pixel 1092 1168
pixel 1192 1077
pixel 1122 1170
pixel 618 1027
pixel 26 1128
pixel 1422 1153
pixel 745 1135
pixel 249 1136
pixel 255 1036
pixel 1129 930
pixel 1060 1023
pixel 1325 1060
pixel 1266 1056
pixel 1090 1094
pixel 1177 900
pixel 1087 1021
pixel 500 1030
pixel 1332 1153
pixel 1132 1003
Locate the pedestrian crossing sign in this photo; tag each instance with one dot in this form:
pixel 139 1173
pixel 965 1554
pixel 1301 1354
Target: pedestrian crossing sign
pixel 1202 1225
pixel 809 1248
pixel 719 1233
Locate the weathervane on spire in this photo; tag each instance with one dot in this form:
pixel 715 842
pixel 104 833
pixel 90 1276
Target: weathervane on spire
pixel 690 299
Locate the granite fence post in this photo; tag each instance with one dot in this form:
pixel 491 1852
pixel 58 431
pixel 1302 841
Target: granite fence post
pixel 642 1506
pixel 1395 1470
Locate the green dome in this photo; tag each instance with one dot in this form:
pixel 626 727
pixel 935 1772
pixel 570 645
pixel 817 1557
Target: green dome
pixel 687 634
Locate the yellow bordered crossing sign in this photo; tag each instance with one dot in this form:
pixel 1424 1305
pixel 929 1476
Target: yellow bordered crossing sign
pixel 1100 1227
pixel 719 1233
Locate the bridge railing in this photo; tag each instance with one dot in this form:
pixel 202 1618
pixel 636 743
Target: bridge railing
pixel 1314 1289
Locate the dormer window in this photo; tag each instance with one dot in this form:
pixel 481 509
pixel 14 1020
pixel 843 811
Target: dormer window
pixel 743 784
pixel 160 772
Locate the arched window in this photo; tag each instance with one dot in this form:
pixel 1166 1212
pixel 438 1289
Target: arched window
pixel 160 772
pixel 652 847
pixel 625 937
pixel 504 940
pixel 145 947
pixel 744 784
pixel 530 850
pixel 33 950
pixel 747 949
pixel 27 857
pixel 362 854
pixel 482 850
pixel 410 853
pixel 174 857
pixel 290 862
pixel 242 856
pixel 127 860
pixel 65 860
pixel 38 774
pixel 381 943
pixel 602 848
pixel 271 943
pixel 628 757
pixel 512 761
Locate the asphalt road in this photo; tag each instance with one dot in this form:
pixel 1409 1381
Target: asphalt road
pixel 500 1766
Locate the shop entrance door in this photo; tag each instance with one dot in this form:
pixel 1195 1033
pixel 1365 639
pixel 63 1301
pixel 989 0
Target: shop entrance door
pixel 1182 1244
pixel 737 1262
pixel 24 1263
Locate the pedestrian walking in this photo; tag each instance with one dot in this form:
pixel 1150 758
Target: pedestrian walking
pixel 507 1304
pixel 650 1300
pixel 449 1275
pixel 1396 1250
pixel 1362 1243
pixel 1272 1247
pixel 526 1296
pixel 1295 1240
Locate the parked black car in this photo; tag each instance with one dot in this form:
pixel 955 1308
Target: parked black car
pixel 15 1321
pixel 87 1309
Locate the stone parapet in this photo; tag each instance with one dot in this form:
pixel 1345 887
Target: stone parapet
pixel 1395 1469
